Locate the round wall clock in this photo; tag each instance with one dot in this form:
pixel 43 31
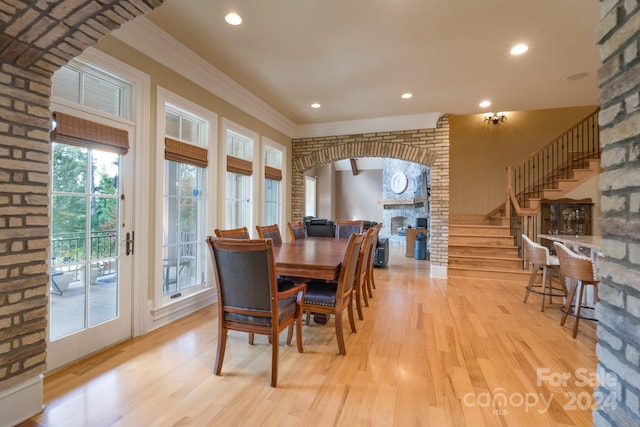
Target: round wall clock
pixel 399 182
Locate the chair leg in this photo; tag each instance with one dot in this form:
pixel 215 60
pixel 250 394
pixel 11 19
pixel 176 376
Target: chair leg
pixel 251 338
pixel 352 321
pixel 567 306
pixel 289 334
pixel 222 344
pixel 356 291
pixel 364 290
pixel 544 286
pixel 577 307
pixel 532 278
pixel 299 333
pixel 274 358
pixel 371 284
pixel 340 334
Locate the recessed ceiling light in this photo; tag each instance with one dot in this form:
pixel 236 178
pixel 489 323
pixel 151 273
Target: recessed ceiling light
pixel 485 103
pixel 519 49
pixel 315 105
pixel 407 95
pixel 233 18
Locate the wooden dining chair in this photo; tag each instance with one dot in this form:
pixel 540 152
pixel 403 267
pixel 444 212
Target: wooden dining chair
pixel 344 229
pixel 334 299
pixel 539 256
pixel 296 230
pixel 371 283
pixel 360 286
pixel 248 296
pixel 581 270
pixel 233 233
pixel 270 232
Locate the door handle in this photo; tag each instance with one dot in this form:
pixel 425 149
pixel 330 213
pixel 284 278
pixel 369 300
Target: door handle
pixel 130 243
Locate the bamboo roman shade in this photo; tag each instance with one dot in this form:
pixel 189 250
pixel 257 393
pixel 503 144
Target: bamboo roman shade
pixel 185 153
pixel 85 133
pixel 272 173
pixel 239 166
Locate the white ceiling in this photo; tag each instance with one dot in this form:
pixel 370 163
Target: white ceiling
pixel 356 57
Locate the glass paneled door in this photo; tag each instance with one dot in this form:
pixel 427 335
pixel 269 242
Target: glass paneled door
pixel 91 239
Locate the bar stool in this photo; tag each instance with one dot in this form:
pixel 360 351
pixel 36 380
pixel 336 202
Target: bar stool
pixel 539 256
pixel 581 269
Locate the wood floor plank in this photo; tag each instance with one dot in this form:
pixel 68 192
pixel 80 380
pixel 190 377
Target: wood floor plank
pixel 441 352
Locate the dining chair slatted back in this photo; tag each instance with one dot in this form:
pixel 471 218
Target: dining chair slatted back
pixel 248 296
pixel 344 229
pixel 371 283
pixel 296 230
pixel 581 270
pixel 335 298
pixel 539 256
pixel 270 232
pixel 360 286
pixel 233 233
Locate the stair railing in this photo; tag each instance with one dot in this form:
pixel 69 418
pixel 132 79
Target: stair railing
pixel 541 170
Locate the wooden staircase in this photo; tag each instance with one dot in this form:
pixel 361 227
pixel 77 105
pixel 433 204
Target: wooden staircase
pixel 483 251
pixel 483 246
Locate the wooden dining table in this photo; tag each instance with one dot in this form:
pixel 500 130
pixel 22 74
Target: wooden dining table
pixel 311 258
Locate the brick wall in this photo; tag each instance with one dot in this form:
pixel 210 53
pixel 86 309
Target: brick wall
pixel 38 38
pixel 429 147
pixel 618 348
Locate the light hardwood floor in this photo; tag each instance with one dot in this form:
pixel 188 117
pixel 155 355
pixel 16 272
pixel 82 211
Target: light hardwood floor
pixel 430 352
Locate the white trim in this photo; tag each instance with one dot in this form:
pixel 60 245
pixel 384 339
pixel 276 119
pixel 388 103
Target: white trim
pixel 21 402
pixel 256 186
pixel 142 100
pixel 284 205
pixel 162 316
pixel 161 309
pixel 143 35
pixel 146 37
pixel 438 271
pixel 380 124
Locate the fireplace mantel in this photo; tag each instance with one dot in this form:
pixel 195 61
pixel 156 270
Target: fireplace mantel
pixel 391 203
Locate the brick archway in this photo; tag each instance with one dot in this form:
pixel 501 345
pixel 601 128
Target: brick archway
pixel 38 39
pixel 429 147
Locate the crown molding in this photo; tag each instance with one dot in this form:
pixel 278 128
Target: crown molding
pixel 144 36
pixel 379 124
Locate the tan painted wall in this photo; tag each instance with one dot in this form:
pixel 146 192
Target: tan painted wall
pixel 357 196
pixel 480 152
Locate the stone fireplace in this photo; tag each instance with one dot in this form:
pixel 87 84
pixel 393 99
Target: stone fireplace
pixel 405 197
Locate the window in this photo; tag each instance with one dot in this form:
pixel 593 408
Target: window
pixel 272 185
pixel 239 182
pixel 82 84
pixel 309 196
pixel 184 207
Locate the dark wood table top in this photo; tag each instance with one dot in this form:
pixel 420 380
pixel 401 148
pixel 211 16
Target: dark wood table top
pixel 312 258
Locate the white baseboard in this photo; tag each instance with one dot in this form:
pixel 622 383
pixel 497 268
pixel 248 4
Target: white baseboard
pixel 21 402
pixel 438 271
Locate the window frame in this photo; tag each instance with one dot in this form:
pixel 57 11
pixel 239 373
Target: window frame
pixel 265 145
pixel 256 186
pixel 165 305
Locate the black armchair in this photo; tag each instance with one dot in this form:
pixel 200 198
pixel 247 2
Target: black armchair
pixel 248 296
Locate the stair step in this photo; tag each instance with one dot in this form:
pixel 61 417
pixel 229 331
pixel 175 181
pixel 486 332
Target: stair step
pixel 485 230
pixel 521 276
pixel 484 261
pixel 483 240
pixel 483 250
